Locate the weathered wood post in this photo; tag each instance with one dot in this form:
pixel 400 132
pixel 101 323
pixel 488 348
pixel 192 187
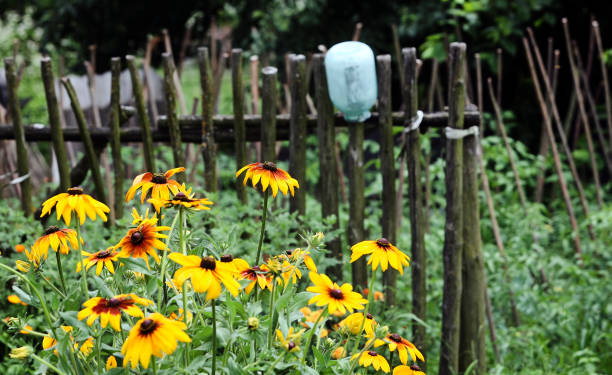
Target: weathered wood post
pixel 387 166
pixel 356 183
pixel 115 114
pixel 209 147
pixel 239 128
pixel 59 147
pixel 453 231
pixel 173 125
pixel 23 167
pixel 268 113
pixel 472 331
pixel 143 116
pixel 90 153
pixel 326 134
pixel 415 194
pixel 297 126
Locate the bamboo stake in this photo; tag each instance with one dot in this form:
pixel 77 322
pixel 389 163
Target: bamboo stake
pixel 297 125
pixel 143 117
pixel 268 113
pixel 604 74
pixel 583 114
pixel 115 131
pixel 453 233
pixel 90 153
pixel 23 167
pixel 553 146
pixel 326 134
pixel 59 147
pixel 239 129
pixel 209 147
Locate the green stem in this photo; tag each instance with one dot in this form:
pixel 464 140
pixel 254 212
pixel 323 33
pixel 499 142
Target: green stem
pixel 83 272
pixel 185 359
pixel 214 339
pixel 263 225
pixel 312 331
pixel 60 270
pixel 48 364
pixel 154 365
pixel 271 326
pixel 50 284
pixel 162 294
pixel 365 316
pixel 99 356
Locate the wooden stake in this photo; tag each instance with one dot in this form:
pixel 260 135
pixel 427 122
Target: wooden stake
pixel 326 134
pixel 553 146
pixel 59 147
pixel 173 125
pixel 398 53
pixel 453 233
pixel 147 73
pixel 239 129
pixel 499 76
pixel 254 63
pixel 356 183
pixel 23 166
pixel 297 125
pixel 357 32
pixel 115 131
pixel 90 153
pixel 479 90
pixel 268 113
pixel 430 108
pixel 143 116
pixel 209 147
pixel 218 79
pixel 604 74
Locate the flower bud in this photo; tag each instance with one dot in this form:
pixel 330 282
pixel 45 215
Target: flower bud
pixel 22 266
pixel 22 352
pixel 253 323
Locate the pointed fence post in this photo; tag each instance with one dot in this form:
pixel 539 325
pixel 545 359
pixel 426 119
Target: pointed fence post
pixel 173 125
pixel 59 147
pixel 209 147
pixel 326 133
pixel 143 116
pixel 23 167
pixel 115 115
pixel 453 231
pixel 269 97
pixel 239 128
pixel 297 129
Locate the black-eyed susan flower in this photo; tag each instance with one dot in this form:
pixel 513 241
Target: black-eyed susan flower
pixel 137 219
pixel 101 259
pixel 142 241
pixel 15 300
pixel 312 317
pixel 22 266
pixel 237 264
pixel 371 358
pixel 338 353
pixel 86 347
pixel 269 175
pixel 381 252
pixel 403 347
pixel 181 316
pixel 355 321
pixel 159 184
pixel 291 342
pixel 257 276
pixel 34 258
pixel 57 239
pixel 155 335
pixel 111 362
pixel 183 198
pixel 206 274
pixel 109 310
pixel 335 297
pixel 74 200
pixel 408 370
pixel 298 255
pixel 49 342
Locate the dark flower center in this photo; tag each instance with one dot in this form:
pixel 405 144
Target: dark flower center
pixel 383 242
pixel 180 196
pixel 137 237
pixel 208 263
pixel 415 368
pixel 256 268
pixel 227 258
pixel 269 166
pixel 336 294
pixel 395 337
pixel 290 345
pixel 369 316
pixel 147 326
pixel 103 254
pixel 50 230
pixel 114 302
pixel 372 353
pixel 75 191
pixel 159 178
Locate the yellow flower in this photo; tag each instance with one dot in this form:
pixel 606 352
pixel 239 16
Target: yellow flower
pixel 328 293
pixel 291 342
pixel 403 347
pixel 14 299
pixel 374 359
pixel 109 310
pixel 26 330
pixel 270 175
pixel 160 185
pixel 22 266
pixel 139 219
pixel 86 346
pixel 182 198
pixel 338 353
pixel 408 370
pixel 237 264
pixel 206 274
pixel 381 252
pixel 49 342
pixel 74 200
pixel 354 322
pixel 35 258
pixel 142 241
pixel 257 275
pixel 56 238
pixel 181 316
pixel 100 259
pixel 22 352
pixel 111 362
pixel 154 335
pixel 378 296
pixel 298 254
pixel 19 248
